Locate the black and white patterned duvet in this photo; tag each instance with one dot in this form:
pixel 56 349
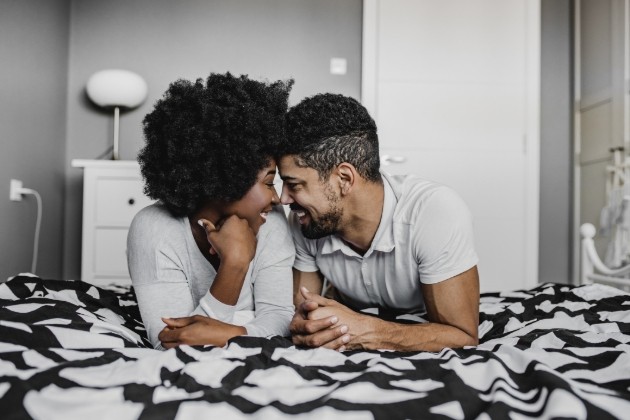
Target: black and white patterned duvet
pixel 71 350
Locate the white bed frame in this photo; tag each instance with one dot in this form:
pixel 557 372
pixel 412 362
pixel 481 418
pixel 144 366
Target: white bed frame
pixel 593 270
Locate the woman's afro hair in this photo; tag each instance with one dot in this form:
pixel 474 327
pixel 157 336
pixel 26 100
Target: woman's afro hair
pixel 209 140
pixel 322 116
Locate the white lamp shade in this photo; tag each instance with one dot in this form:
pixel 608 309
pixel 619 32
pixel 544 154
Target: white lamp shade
pixel 117 88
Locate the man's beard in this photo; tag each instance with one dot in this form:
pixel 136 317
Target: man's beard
pixel 328 223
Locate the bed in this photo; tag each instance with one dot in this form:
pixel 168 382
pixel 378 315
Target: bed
pixel 69 349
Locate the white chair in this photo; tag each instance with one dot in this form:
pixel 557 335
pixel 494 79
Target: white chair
pixel 593 270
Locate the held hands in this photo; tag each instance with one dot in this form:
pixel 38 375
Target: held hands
pixel 197 330
pixel 321 322
pixel 233 239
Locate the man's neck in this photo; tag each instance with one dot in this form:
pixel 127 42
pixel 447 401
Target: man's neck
pixel 363 217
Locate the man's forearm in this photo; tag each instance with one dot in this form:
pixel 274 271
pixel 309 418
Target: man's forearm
pixel 430 336
pixel 369 332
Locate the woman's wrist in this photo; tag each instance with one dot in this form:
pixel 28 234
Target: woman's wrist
pixel 228 282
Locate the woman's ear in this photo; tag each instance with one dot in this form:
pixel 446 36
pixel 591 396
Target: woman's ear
pixel 347 174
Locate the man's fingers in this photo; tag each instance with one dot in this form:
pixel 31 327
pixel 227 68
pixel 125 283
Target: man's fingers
pixel 308 306
pixel 339 343
pixel 306 327
pixel 331 338
pixel 314 297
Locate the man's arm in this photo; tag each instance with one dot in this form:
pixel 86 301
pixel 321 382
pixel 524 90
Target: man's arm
pixel 452 310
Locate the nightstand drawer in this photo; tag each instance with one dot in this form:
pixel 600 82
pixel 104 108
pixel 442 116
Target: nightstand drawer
pixel 112 195
pixel 110 253
pixel 118 200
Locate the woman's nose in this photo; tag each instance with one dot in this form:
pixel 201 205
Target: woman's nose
pixel 274 198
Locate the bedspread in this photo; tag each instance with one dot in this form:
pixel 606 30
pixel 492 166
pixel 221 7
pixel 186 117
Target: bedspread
pixel 72 350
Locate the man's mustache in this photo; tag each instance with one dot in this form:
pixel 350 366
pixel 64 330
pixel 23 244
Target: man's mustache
pixel 296 207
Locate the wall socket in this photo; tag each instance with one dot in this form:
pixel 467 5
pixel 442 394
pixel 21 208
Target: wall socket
pixel 16 190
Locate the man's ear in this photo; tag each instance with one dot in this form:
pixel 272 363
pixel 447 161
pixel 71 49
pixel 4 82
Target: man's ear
pixel 348 176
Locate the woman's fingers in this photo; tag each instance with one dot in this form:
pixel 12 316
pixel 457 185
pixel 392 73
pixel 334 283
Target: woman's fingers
pixel 207 225
pixel 178 322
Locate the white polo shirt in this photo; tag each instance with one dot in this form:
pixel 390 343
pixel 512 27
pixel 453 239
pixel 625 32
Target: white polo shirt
pixel 425 236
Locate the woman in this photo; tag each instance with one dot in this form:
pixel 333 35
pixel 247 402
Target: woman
pixel 212 258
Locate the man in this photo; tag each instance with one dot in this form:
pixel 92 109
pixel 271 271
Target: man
pixel 397 243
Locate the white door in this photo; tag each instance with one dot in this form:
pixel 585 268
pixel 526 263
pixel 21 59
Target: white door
pixel 453 86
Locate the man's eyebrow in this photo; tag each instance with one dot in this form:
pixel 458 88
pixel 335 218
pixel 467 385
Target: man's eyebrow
pixel 288 178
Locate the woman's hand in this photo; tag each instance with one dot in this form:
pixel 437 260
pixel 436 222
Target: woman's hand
pixel 197 330
pixel 232 239
pixel 235 243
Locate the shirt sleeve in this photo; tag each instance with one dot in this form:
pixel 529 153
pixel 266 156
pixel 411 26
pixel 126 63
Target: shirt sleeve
pixel 305 253
pixel 157 271
pixel 272 279
pixel 443 237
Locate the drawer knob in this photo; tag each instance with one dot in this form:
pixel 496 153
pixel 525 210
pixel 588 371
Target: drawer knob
pixel 131 201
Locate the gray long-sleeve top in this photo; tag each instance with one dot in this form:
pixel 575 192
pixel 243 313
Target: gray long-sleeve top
pixel 172 278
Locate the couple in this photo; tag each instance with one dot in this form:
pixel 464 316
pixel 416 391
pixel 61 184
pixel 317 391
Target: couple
pixel 216 254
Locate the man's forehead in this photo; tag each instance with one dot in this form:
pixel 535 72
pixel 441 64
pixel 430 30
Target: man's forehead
pixel 289 169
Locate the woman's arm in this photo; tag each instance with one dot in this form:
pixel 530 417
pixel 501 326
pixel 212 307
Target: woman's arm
pixel 272 279
pixel 235 243
pixel 197 330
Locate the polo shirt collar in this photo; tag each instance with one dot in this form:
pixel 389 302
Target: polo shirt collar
pixel 384 238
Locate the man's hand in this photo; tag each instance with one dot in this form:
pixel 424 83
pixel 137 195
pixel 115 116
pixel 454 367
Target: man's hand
pixel 361 328
pixel 197 330
pixel 452 310
pixel 318 330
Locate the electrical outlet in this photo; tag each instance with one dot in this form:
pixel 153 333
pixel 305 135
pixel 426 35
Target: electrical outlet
pixel 16 190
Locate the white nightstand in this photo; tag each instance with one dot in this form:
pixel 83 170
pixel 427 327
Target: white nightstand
pixel 112 195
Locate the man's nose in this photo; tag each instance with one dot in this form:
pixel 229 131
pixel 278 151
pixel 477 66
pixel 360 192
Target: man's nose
pixel 285 197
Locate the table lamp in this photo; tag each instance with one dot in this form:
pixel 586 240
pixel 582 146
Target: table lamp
pixel 116 89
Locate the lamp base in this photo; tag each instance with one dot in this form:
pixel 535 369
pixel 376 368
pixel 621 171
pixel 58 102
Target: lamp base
pixel 116 154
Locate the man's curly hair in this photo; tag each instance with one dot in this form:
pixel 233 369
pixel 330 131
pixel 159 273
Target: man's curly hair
pixel 209 140
pixel 328 129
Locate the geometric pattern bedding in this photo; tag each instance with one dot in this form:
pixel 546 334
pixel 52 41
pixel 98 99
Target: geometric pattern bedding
pixel 72 350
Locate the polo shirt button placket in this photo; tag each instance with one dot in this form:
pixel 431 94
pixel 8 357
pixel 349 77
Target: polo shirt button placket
pixel 366 282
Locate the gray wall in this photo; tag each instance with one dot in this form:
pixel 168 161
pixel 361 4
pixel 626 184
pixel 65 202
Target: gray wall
pixel 164 40
pixel 33 75
pixel 556 182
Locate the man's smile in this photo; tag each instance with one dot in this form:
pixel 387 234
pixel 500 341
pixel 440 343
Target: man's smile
pixel 300 212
